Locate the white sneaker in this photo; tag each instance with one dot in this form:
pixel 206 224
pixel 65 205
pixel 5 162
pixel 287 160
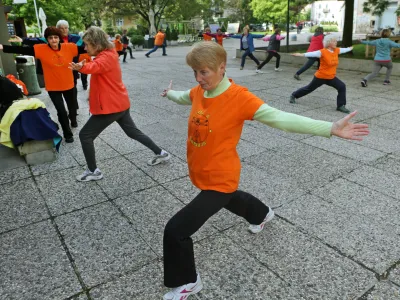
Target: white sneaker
pixel 161 158
pixel 184 291
pixel 259 228
pixel 88 176
pixel 259 71
pixel 278 70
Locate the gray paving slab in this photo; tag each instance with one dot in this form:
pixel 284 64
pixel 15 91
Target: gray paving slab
pixel 121 177
pixel 378 180
pixel 10 159
pixel 369 243
pixel 34 265
pixel 102 243
pixel 63 193
pixel 14 174
pixel 394 275
pixel 150 210
pixel 21 204
pixel 168 171
pixel 306 264
pixel 64 161
pixel 384 290
pixel 382 139
pixel 145 283
pixel 228 272
pixel 389 120
pixel 345 148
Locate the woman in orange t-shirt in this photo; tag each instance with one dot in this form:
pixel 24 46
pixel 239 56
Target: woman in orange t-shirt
pixel 219 108
pixel 119 47
pixel 326 74
pixel 219 36
pixel 206 34
pixel 59 80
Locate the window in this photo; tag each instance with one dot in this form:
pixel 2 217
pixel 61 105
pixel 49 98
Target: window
pixel 119 22
pixel 333 16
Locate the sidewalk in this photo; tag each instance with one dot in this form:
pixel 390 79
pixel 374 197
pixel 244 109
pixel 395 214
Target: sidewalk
pixel 336 230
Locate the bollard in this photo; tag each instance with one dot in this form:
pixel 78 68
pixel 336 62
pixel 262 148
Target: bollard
pixel 27 73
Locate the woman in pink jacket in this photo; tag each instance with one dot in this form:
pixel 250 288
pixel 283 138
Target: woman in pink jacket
pixel 108 101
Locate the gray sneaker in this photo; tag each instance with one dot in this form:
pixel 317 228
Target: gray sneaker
pixel 89 176
pixel 296 76
pixel 161 158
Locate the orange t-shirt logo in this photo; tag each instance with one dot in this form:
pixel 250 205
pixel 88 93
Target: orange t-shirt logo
pixel 199 130
pixel 58 60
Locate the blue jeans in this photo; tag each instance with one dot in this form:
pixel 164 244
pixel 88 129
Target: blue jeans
pixel 310 61
pixel 249 54
pixel 155 49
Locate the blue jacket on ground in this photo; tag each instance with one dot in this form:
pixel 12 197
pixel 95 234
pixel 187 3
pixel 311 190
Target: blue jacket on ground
pixel 250 38
pixel 34 124
pixel 383 47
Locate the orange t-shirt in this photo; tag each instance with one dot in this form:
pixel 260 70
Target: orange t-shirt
pixel 207 37
pixel 118 45
pixel 214 129
pixel 328 64
pixel 57 76
pixel 219 39
pixel 159 39
pixel 84 56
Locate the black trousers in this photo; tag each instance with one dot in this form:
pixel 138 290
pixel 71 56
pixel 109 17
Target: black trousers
pixel 63 116
pixel 336 83
pixel 130 51
pixel 76 76
pixel 179 265
pixel 271 54
pixel 97 123
pixel 84 80
pixel 123 52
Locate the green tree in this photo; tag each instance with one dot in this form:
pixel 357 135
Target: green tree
pixel 180 10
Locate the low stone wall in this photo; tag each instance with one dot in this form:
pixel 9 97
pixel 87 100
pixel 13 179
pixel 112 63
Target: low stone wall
pixel 360 65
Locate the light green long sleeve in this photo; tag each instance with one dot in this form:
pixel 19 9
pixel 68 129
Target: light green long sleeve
pixel 291 122
pixel 180 97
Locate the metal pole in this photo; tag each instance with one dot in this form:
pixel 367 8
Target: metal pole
pixel 287 27
pixel 37 18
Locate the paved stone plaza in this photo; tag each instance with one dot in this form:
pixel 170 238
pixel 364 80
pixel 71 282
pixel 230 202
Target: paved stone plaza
pixel 336 234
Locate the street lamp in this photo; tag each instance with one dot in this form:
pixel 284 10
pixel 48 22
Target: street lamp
pixel 287 27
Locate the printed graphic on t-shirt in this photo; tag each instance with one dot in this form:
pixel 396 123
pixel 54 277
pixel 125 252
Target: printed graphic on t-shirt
pixel 199 129
pixel 58 60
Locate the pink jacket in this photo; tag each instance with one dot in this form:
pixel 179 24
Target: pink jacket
pixel 108 93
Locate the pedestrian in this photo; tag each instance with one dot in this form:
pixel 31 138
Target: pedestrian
pixel 84 56
pixel 382 57
pixel 272 50
pixel 207 34
pixel 317 43
pixel 125 42
pixel 326 74
pixel 247 45
pixel 219 109
pixel 108 102
pixel 119 47
pixel 158 42
pixel 219 36
pixel 59 80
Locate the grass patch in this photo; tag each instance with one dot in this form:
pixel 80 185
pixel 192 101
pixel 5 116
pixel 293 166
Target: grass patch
pixel 358 53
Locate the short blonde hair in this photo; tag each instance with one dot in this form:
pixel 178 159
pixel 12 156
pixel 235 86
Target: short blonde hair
pixel 328 40
pixel 205 54
pixel 96 37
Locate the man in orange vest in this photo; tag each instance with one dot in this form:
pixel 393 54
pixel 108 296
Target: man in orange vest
pixel 159 42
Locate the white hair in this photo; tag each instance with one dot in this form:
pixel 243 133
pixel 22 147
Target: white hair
pixel 328 39
pixel 62 23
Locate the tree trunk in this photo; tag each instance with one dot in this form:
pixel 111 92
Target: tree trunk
pixel 6 59
pixel 348 24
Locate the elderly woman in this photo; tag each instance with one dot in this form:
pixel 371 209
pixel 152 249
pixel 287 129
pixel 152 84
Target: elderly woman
pixel 326 74
pixel 59 80
pixel 108 102
pixel 382 57
pixel 219 109
pixel 119 47
pixel 316 43
pixel 247 45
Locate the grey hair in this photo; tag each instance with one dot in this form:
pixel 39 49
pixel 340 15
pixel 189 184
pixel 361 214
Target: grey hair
pixel 329 39
pixel 97 38
pixel 62 23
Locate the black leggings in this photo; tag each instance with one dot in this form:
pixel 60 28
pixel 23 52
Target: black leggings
pixel 97 123
pixel 64 116
pixel 179 266
pixel 271 54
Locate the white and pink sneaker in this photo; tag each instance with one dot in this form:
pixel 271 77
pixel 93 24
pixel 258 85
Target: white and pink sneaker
pixel 259 228
pixel 184 291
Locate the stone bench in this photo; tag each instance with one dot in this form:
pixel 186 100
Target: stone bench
pixel 38 152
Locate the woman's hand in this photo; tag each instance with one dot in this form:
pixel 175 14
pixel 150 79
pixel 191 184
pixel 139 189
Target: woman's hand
pixel 15 39
pixel 350 131
pixel 1 47
pixel 76 66
pixel 165 92
pixel 297 54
